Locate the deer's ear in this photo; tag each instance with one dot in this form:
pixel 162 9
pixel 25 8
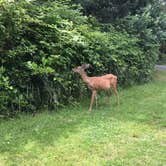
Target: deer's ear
pixel 85 66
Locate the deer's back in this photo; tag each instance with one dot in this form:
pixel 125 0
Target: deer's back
pixel 102 82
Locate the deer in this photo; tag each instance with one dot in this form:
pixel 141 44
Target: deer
pixel 104 82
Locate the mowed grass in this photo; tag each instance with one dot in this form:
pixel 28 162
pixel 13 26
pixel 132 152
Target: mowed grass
pixel 131 134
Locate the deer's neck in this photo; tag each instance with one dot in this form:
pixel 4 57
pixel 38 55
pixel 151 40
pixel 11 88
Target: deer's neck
pixel 85 77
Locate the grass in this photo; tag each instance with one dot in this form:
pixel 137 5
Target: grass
pixel 131 134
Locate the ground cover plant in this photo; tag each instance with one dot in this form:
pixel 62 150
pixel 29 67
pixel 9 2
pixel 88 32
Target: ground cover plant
pixel 133 133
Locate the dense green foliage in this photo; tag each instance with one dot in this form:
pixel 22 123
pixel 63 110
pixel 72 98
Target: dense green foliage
pixel 109 10
pixel 40 44
pixel 144 18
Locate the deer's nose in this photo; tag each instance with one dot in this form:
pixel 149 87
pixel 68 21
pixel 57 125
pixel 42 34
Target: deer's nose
pixel 73 70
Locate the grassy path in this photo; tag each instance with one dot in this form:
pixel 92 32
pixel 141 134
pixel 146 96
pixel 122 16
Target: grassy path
pixel 131 134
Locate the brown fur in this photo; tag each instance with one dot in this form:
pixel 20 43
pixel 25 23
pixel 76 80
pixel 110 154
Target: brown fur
pixel 105 82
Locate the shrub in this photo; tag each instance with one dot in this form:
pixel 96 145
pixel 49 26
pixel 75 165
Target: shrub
pixel 40 45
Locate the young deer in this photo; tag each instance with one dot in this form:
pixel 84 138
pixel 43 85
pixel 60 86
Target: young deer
pixel 105 82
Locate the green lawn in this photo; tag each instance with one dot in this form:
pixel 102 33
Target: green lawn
pixel 131 134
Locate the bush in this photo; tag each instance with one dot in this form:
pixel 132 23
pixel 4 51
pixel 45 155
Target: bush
pixel 149 25
pixel 107 11
pixel 121 54
pixel 39 46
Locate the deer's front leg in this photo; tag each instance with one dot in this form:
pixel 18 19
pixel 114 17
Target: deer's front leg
pixel 92 100
pixel 96 100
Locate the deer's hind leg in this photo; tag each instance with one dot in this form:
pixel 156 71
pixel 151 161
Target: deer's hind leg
pixel 116 94
pixel 109 94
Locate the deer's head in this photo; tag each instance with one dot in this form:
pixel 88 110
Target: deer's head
pixel 81 68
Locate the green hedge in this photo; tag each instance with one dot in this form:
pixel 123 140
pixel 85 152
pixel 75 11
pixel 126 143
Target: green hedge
pixel 39 46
